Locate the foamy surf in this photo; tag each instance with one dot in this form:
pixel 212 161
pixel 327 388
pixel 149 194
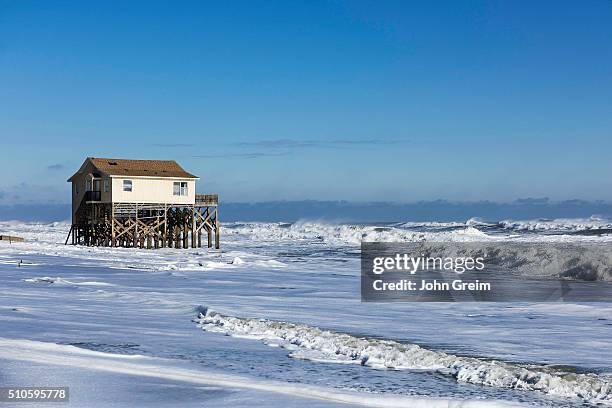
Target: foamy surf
pixel 64 282
pixel 315 344
pixel 137 366
pixel 558 225
pixel 473 230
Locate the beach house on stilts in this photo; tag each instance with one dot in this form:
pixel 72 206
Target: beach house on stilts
pixel 140 203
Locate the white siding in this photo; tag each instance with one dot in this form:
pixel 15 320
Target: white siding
pixel 106 195
pixel 151 190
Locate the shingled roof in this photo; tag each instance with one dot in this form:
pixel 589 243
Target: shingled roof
pixel 136 168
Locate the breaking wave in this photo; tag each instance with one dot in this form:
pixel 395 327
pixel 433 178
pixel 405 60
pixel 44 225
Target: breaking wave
pixel 561 255
pixel 311 343
pixel 558 225
pixel 354 234
pixel 471 230
pixel 588 261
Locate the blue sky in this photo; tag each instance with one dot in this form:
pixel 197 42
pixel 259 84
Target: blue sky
pixel 391 100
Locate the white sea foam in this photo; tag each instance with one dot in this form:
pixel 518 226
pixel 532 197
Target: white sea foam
pixel 591 261
pixel 560 224
pixel 141 367
pixel 44 239
pixel 57 281
pixel 321 345
pixel 343 234
pixel 40 236
pixel 471 231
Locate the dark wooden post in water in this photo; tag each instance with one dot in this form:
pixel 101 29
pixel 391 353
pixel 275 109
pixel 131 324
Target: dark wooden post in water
pixel 217 235
pixel 112 220
pixel 193 228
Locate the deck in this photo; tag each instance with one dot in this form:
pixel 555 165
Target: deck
pixel 207 200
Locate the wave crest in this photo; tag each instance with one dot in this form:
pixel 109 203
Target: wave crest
pixel 348 234
pixel 312 343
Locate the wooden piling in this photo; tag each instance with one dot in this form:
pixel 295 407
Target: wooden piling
pixel 146 225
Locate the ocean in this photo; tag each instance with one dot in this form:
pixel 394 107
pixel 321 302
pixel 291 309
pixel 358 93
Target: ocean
pixel 276 317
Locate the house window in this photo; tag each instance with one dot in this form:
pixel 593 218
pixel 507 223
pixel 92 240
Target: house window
pixel 127 185
pixel 106 185
pixel 179 188
pixel 88 185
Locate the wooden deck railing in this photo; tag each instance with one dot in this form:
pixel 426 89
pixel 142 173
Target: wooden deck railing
pixel 209 200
